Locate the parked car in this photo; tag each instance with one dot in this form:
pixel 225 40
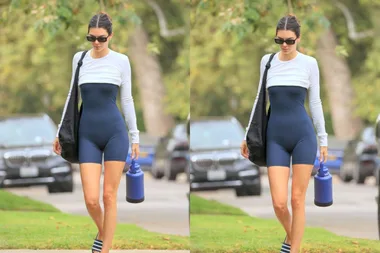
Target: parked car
pixel 171 151
pixel 360 158
pixel 147 150
pixel 215 159
pixel 377 137
pixel 27 157
pixel 335 156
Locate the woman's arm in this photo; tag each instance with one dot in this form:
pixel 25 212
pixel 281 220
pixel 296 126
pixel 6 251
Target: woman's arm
pixel 315 104
pixel 74 66
pixel 127 103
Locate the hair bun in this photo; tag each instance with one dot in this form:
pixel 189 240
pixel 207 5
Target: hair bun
pixel 293 16
pixel 106 14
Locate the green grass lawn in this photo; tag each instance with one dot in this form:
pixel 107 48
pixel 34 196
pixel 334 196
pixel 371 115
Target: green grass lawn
pixel 44 227
pixel 11 202
pixel 213 231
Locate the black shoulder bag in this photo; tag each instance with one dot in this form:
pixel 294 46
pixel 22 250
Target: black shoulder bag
pixel 68 133
pixel 257 131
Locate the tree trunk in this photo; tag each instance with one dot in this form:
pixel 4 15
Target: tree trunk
pixel 337 80
pixel 147 68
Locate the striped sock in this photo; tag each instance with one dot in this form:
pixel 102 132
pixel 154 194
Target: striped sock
pixel 97 247
pixel 285 248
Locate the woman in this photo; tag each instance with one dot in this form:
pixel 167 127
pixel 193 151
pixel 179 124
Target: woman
pixel 290 132
pixel 102 130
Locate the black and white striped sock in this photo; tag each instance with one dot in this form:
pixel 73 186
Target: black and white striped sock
pixel 285 248
pixel 97 246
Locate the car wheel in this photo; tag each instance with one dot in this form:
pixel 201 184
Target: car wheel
pixel 155 172
pixel 60 187
pixel 343 175
pixel 169 173
pixel 240 192
pixel 251 190
pixel 359 178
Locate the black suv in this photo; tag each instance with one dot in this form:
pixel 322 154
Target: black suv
pixel 215 159
pixel 27 157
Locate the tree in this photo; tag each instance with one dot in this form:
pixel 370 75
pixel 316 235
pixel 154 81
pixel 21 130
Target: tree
pixel 54 22
pixel 248 26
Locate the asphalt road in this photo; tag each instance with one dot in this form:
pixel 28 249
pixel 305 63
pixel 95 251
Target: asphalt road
pixel 353 214
pixel 165 209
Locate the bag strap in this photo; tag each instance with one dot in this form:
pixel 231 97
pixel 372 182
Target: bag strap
pixel 76 78
pixel 80 63
pixel 267 66
pixel 264 80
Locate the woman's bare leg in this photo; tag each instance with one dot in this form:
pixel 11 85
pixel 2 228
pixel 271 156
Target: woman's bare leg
pixel 113 170
pixel 278 181
pixel 90 176
pixel 300 182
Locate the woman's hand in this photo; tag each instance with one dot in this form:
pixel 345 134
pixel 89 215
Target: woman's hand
pixel 135 151
pixel 323 154
pixel 57 146
pixel 244 149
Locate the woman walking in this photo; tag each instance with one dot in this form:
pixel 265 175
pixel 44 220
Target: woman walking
pixel 102 129
pixel 290 133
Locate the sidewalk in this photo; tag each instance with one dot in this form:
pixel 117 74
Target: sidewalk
pixel 87 251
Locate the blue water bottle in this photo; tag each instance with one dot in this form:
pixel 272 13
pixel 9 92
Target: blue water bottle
pixel 135 183
pixel 323 192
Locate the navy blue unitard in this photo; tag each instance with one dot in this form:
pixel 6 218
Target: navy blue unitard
pixel 101 127
pixel 290 134
pixel 103 131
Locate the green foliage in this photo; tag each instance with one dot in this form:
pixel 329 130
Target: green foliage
pixel 227 43
pixel 228 40
pixel 41 37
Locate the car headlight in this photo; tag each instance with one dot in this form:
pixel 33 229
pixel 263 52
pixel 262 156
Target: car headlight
pixel 61 169
pixel 248 173
pixel 242 164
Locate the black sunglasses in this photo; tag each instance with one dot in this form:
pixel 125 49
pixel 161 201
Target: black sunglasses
pixel 287 41
pixel 92 38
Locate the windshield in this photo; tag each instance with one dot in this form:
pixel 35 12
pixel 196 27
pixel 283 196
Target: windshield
pixel 215 134
pixel 179 132
pixel 26 131
pixel 368 135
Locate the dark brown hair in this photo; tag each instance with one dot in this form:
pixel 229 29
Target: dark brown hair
pixel 291 23
pixel 101 20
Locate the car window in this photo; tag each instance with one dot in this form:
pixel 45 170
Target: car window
pixel 26 131
pixel 215 134
pixel 179 132
pixel 368 134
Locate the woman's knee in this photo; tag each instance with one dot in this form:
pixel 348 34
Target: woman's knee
pixel 109 198
pixel 92 202
pixel 280 206
pixel 298 200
